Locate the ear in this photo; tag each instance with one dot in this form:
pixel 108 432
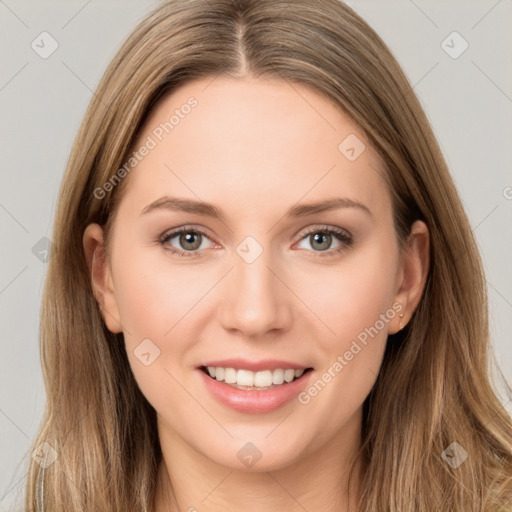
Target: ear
pixel 101 276
pixel 412 275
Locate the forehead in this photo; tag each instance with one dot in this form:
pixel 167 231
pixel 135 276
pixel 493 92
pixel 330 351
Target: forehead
pixel 242 143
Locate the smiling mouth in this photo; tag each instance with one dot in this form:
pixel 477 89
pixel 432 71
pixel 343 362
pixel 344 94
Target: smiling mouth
pixel 254 381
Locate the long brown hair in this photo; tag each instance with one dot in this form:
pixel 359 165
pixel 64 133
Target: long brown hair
pixel 434 386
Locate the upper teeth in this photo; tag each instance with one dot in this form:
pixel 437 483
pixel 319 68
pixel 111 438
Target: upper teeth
pixel 261 379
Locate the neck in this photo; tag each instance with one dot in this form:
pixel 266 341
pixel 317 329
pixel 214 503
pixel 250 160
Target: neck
pixel 316 481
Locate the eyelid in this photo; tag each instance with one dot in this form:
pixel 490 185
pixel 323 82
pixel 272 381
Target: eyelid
pixel 344 236
pixel 171 233
pixel 328 228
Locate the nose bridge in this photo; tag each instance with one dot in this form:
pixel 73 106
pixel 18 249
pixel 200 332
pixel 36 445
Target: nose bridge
pixel 256 299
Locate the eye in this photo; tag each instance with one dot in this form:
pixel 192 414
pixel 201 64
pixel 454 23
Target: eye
pixel 322 238
pixel 191 240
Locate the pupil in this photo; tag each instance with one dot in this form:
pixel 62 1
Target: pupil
pixel 326 238
pixel 187 238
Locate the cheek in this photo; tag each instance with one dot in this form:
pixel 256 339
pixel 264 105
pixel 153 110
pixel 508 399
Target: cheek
pixel 351 296
pixel 153 293
pixel 355 303
pixel 161 299
pixel 155 300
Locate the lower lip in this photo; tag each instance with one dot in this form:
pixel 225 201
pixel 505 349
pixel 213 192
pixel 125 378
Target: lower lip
pixel 255 402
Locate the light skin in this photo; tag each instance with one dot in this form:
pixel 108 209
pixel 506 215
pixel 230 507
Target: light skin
pixel 255 148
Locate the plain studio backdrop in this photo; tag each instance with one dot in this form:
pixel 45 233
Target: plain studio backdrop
pixel 457 55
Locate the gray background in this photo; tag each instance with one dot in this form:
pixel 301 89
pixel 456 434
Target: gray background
pixel 468 100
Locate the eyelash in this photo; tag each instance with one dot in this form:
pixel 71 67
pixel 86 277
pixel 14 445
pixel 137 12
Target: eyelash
pixel 343 236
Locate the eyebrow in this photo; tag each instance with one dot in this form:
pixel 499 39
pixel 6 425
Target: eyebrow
pixel 210 210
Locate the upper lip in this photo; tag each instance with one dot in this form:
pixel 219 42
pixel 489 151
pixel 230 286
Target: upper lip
pixel 255 366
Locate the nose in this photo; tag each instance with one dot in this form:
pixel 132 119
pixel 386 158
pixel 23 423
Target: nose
pixel 255 298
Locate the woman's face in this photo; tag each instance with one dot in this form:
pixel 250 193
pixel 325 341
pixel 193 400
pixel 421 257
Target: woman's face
pixel 257 283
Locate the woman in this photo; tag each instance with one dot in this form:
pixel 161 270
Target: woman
pixel 257 370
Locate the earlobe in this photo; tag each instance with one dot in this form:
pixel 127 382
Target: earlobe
pixel 413 273
pixel 101 276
